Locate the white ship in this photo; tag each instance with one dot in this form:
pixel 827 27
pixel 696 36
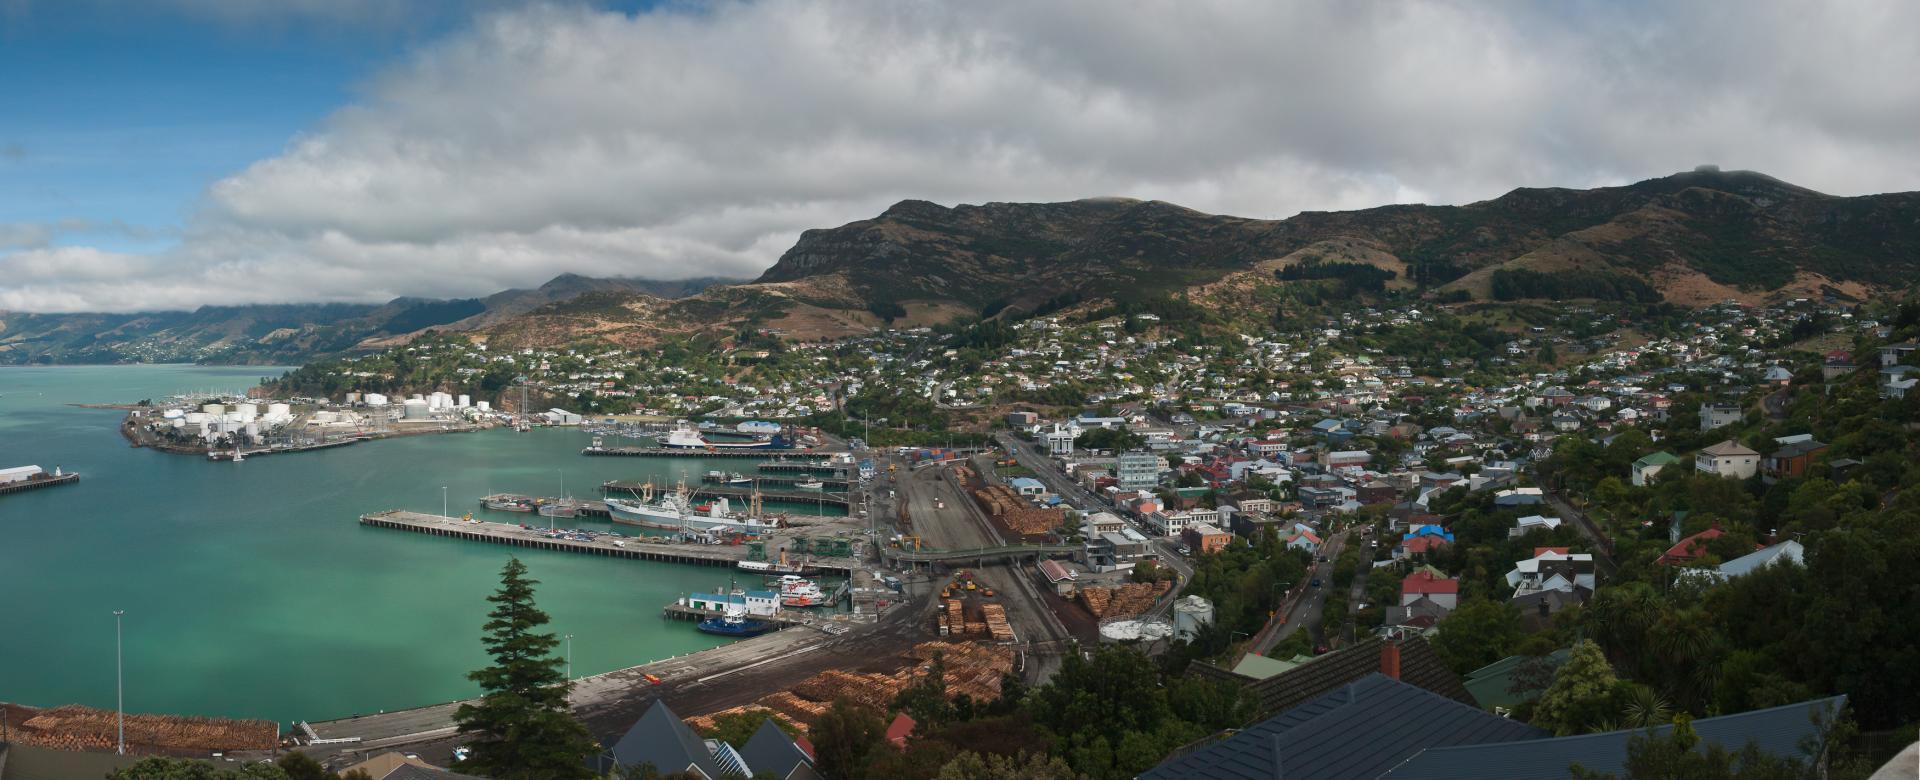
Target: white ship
pixel 687 437
pixel 665 511
pixel 716 518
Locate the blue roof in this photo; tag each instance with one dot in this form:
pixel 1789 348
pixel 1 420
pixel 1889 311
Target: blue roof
pixel 1778 730
pixel 1359 730
pixel 1433 530
pixel 1025 483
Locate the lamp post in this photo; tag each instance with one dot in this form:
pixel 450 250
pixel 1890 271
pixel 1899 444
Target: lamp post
pixel 443 501
pixel 569 659
pixel 119 687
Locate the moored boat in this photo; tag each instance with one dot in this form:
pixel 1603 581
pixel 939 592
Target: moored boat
pixel 508 502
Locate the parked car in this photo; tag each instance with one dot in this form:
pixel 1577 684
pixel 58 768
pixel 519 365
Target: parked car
pixel 1315 583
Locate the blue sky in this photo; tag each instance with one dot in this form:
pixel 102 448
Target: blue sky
pixel 123 116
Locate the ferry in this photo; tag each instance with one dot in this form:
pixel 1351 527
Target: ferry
pixel 687 437
pixel 735 623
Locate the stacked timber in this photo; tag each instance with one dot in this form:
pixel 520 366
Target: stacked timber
pixel 996 620
pixel 73 727
pixel 1124 601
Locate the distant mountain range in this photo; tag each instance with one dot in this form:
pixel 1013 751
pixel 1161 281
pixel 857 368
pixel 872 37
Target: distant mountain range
pixel 1691 238
pixel 269 334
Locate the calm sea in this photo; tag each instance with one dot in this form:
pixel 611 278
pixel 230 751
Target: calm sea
pixel 251 591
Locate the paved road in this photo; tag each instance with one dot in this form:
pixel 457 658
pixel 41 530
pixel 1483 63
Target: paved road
pixel 1307 610
pixel 1602 546
pixel 1042 466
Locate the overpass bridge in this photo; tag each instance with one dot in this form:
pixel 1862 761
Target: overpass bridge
pixel 979 556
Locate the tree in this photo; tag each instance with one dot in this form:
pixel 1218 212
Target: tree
pixel 1581 696
pixel 925 701
pixel 1672 757
pixel 300 767
pixel 192 769
pixel 522 726
pixel 844 739
pixel 1478 633
pixel 1026 766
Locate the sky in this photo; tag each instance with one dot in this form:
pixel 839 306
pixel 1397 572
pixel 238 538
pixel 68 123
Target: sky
pixel 178 153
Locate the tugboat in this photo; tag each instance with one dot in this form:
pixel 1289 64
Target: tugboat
pixel 735 623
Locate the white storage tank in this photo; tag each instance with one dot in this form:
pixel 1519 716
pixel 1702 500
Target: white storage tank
pixel 279 410
pixel 416 409
pixel 214 409
pixel 465 401
pixel 253 430
pixel 353 398
pixel 199 418
pixel 484 406
pixel 173 414
pixel 1189 614
pixel 376 399
pixel 248 411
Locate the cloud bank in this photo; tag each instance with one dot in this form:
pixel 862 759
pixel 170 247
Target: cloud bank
pixel 700 140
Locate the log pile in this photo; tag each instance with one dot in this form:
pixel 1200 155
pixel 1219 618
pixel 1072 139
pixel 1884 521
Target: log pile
pixel 971 668
pixel 706 724
pixel 73 727
pixel 1017 513
pixel 996 621
pixel 1125 601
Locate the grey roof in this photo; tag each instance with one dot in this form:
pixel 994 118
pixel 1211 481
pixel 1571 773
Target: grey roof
pixel 1778 730
pixel 1359 730
pixel 771 751
pixel 411 772
pixel 660 738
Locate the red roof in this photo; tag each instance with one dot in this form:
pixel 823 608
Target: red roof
pixel 1423 543
pixel 1054 571
pixel 1691 547
pixel 1539 551
pixel 898 731
pixel 1424 582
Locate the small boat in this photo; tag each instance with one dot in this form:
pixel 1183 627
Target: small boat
pixel 798 591
pixel 810 484
pixel 507 502
pixel 735 623
pixel 736 478
pixel 565 507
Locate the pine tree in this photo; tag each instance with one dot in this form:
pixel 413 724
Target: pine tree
pixel 522 727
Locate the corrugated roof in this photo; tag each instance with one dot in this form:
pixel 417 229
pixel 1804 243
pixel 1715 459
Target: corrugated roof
pixel 1358 730
pixel 772 752
pixel 1419 666
pixel 1778 730
pixel 660 738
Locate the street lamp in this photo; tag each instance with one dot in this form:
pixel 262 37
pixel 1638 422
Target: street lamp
pixel 569 658
pixel 119 687
pixel 443 501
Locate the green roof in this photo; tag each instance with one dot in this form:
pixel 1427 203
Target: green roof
pixel 1657 459
pixel 1260 667
pixel 1491 685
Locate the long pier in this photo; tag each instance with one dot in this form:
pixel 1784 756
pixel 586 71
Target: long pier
pixel 805 467
pixel 641 548
pixel 717 452
pixel 41 481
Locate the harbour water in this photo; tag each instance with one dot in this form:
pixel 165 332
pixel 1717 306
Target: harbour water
pixel 250 589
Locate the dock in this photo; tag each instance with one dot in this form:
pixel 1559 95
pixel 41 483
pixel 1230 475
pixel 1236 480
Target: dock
pixel 817 497
pixel 786 618
pixel 828 469
pixel 718 452
pixel 34 483
pixel 639 548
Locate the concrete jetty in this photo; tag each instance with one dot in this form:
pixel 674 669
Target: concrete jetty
pixel 39 481
pixel 642 548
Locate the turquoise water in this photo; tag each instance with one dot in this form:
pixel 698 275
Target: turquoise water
pixel 250 588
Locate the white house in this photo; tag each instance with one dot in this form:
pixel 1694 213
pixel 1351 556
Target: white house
pixel 1728 459
pixel 1525 525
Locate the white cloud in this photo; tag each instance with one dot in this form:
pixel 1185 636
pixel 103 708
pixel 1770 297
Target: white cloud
pixel 686 142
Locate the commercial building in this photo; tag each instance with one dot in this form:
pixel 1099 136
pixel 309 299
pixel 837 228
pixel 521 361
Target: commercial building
pixel 1137 470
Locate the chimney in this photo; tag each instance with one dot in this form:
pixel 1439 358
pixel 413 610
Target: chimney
pixel 1390 659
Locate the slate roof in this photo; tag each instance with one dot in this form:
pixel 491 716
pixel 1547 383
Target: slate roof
pixel 1358 730
pixel 411 772
pixel 1778 730
pixel 1419 666
pixel 771 751
pixel 660 738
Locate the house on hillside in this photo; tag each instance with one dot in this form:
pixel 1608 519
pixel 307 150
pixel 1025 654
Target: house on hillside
pixel 1650 464
pixel 1425 583
pixel 1728 459
pixel 1791 460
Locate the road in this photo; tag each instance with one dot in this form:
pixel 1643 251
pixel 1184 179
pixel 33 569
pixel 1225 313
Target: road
pixel 1602 546
pixel 1305 610
pixel 1030 457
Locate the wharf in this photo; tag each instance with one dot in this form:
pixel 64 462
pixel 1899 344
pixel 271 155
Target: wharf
pixel 818 497
pixel 785 618
pixel 718 452
pixel 642 548
pixel 39 482
pixel 805 467
pixel 763 479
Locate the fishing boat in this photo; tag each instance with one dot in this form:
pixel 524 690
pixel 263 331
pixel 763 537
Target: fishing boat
pixel 780 567
pixel 508 502
pixel 735 623
pixel 560 507
pixel 736 478
pixel 665 511
pixel 718 517
pixel 810 484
